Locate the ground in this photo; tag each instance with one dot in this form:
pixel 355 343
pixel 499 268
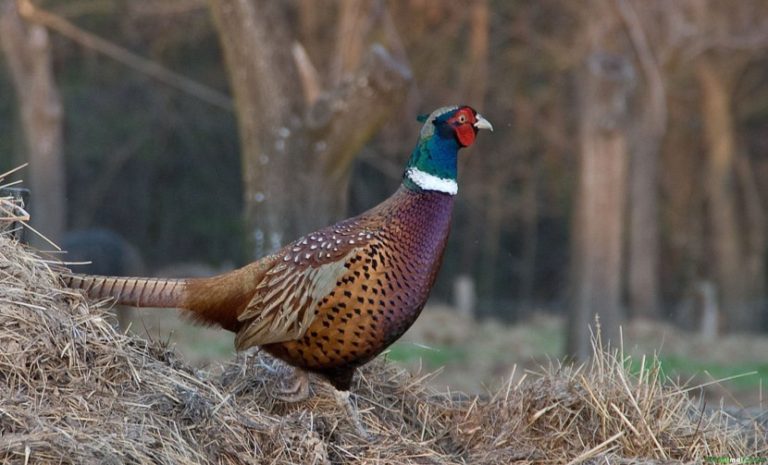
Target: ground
pixel 476 357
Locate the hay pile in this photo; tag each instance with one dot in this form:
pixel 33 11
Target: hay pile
pixel 73 390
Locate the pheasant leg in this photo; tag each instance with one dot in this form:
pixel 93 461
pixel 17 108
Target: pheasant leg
pixel 343 400
pixel 295 388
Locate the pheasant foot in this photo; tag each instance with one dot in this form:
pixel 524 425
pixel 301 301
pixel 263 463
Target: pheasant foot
pixel 344 400
pixel 295 388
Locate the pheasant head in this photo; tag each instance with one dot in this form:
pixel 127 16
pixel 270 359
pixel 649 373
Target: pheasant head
pixel 432 165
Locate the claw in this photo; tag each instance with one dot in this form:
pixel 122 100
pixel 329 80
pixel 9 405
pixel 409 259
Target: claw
pixel 344 400
pixel 296 390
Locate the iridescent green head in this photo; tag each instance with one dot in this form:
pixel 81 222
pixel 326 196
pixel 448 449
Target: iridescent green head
pixel 432 165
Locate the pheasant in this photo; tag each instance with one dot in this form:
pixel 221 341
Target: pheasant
pixel 334 299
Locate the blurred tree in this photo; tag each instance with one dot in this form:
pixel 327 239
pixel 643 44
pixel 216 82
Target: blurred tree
pixel 727 38
pixel 518 61
pixel 646 138
pixel 606 81
pixel 27 52
pixel 597 244
pixel 298 136
pixel 723 241
pixel 474 85
pixel 740 278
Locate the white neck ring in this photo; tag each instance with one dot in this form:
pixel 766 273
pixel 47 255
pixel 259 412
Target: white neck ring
pixel 430 182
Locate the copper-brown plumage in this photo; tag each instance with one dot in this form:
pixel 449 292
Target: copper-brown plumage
pixel 329 301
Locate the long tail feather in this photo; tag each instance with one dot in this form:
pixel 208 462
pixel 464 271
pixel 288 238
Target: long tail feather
pixel 138 292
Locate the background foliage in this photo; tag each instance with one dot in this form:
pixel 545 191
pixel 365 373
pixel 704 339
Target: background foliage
pixel 164 169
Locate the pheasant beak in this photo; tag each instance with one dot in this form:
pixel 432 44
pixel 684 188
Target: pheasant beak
pixel 482 123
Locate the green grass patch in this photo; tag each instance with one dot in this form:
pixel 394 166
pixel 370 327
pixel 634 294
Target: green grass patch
pixel 432 357
pixel 677 367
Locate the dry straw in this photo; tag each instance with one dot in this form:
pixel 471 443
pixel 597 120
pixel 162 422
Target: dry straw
pixel 74 390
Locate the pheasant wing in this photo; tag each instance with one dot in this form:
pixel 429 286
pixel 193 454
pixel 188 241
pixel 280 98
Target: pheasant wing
pixel 284 304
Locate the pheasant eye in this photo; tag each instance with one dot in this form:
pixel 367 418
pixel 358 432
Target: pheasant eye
pixel 462 119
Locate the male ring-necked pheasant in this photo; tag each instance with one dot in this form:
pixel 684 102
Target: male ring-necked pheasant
pixel 334 299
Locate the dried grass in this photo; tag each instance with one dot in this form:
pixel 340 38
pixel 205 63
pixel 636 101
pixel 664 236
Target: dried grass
pixel 73 390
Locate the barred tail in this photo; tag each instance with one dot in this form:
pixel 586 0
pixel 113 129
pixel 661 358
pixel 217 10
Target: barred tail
pixel 137 292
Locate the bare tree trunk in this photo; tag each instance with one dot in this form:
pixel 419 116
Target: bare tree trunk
pixel 530 233
pixel 309 20
pixel 491 235
pixel 599 221
pixel 27 51
pixel 260 77
pixel 731 273
pixel 475 83
pixel 354 23
pixel 298 149
pixel 643 246
pixel 756 243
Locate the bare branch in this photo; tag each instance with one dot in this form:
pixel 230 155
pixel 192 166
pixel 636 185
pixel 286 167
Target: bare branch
pixel 75 9
pixel 62 26
pixel 97 190
pixel 476 68
pixel 739 43
pixel 165 8
pixel 393 41
pixel 310 80
pixel 368 100
pixel 648 62
pixel 354 25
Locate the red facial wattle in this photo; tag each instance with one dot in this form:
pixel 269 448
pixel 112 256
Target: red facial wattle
pixel 462 123
pixel 466 134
